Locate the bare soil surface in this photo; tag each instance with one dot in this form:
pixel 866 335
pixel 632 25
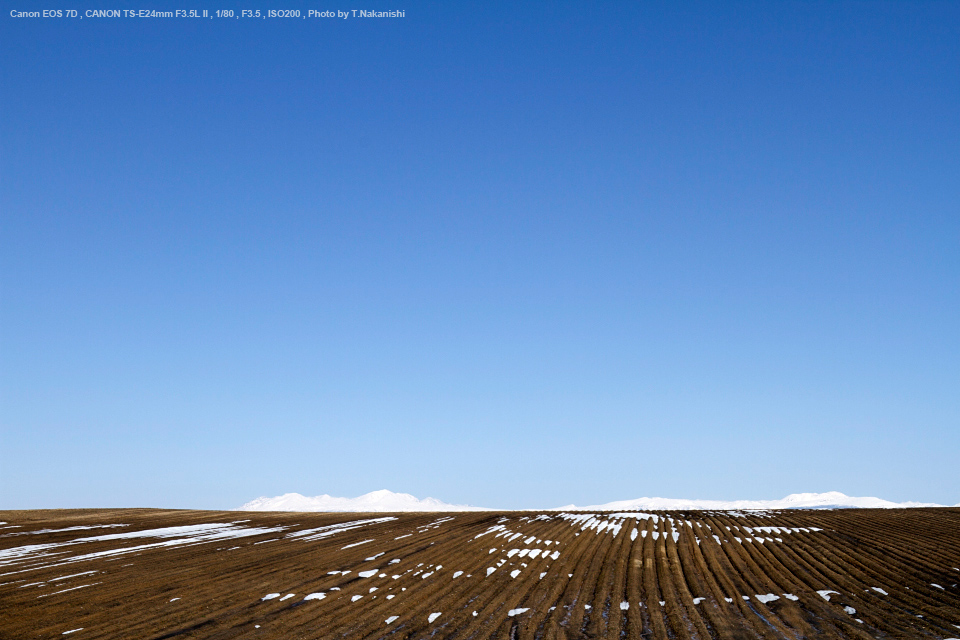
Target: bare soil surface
pixel 158 574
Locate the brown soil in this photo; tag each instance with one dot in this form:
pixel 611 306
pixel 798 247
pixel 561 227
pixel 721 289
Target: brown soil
pixel 672 580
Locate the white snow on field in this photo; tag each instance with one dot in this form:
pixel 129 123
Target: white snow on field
pixel 73 575
pixel 516 612
pixel 825 594
pixel 211 531
pixel 71 631
pixel 790 596
pixel 636 514
pixel 879 590
pixel 270 596
pixel 190 534
pixel 287 597
pixel 392 619
pixel 356 544
pixel 828 500
pixel 765 598
pixel 433 616
pixel 368 574
pixel 355 598
pixel 624 605
pixel 315 596
pixel 498 527
pixel 375 501
pixel 77 528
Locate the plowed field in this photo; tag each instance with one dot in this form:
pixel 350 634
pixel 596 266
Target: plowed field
pixel 151 575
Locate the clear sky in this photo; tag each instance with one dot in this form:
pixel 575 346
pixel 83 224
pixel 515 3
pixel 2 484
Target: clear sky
pixel 504 254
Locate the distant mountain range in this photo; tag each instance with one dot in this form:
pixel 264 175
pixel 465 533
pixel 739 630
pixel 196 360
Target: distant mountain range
pixel 384 500
pixel 828 500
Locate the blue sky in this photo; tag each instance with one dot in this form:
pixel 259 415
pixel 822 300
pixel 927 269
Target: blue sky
pixel 499 255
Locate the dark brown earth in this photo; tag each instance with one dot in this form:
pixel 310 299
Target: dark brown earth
pixel 179 584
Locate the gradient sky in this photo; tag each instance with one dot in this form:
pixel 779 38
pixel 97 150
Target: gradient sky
pixel 510 256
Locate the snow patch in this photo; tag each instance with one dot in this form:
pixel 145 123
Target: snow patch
pixel 356 544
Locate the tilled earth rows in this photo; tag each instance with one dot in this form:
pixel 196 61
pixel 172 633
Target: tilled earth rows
pixel 150 575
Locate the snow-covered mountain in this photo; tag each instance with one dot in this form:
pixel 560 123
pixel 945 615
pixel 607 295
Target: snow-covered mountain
pixel 828 500
pixel 382 500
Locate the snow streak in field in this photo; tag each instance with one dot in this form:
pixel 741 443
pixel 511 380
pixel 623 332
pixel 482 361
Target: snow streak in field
pixel 181 536
pixel 319 533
